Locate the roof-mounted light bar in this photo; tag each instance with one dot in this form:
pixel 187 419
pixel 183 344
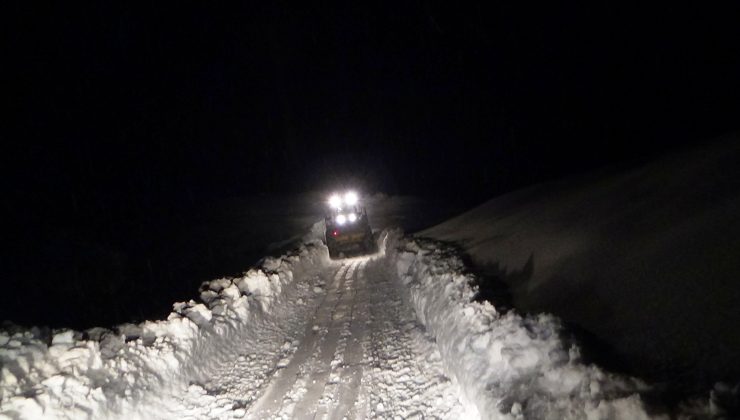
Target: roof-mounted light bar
pixel 337 202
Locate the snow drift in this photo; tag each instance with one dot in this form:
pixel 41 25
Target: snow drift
pixel 645 259
pixel 135 370
pixel 508 366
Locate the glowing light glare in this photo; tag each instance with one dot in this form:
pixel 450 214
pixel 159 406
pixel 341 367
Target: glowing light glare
pixel 341 219
pixel 352 217
pixel 350 198
pixel 335 201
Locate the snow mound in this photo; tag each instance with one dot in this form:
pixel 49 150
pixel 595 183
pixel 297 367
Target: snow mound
pixel 644 258
pixel 133 372
pixel 507 365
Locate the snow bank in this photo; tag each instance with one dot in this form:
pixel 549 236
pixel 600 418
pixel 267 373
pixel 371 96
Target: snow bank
pixel 133 371
pixel 508 366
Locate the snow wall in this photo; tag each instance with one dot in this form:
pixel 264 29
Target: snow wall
pixel 508 366
pixel 132 372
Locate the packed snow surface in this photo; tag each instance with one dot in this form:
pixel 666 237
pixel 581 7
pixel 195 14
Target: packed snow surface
pixel 393 335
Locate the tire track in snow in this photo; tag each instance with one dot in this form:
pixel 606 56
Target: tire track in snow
pixel 343 390
pixel 249 371
pixel 404 377
pixel 331 349
pixel 290 384
pixel 363 355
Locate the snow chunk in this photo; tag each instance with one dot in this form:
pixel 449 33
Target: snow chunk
pixel 66 337
pixel 231 292
pixel 199 314
pixel 219 284
pixel 130 331
pixel 207 296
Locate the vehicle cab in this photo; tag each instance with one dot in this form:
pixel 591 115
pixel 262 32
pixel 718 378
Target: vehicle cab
pixel 347 226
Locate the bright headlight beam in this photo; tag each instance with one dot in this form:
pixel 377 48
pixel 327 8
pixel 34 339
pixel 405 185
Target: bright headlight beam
pixel 352 217
pixel 335 201
pixel 350 198
pixel 341 219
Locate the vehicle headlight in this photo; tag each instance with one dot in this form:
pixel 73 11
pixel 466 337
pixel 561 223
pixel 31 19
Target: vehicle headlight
pixel 341 219
pixel 335 201
pixel 350 198
pixel 352 217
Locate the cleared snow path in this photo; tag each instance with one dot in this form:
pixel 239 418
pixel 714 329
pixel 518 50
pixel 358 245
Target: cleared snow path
pixel 305 337
pixel 362 355
pixel 349 348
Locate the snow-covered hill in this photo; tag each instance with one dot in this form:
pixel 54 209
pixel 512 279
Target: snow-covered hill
pixel 646 259
pixel 643 259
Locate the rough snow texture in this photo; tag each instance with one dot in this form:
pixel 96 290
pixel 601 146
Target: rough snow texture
pixel 396 335
pixel 362 354
pixel 115 373
pixel 301 336
pixel 507 366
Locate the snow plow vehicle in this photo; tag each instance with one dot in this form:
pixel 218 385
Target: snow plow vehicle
pixel 348 230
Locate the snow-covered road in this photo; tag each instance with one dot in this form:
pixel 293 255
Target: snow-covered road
pixel 361 354
pixel 352 348
pixel 304 337
pixel 394 335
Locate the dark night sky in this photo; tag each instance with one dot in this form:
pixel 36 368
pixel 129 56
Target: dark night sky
pixel 415 97
pixel 126 111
